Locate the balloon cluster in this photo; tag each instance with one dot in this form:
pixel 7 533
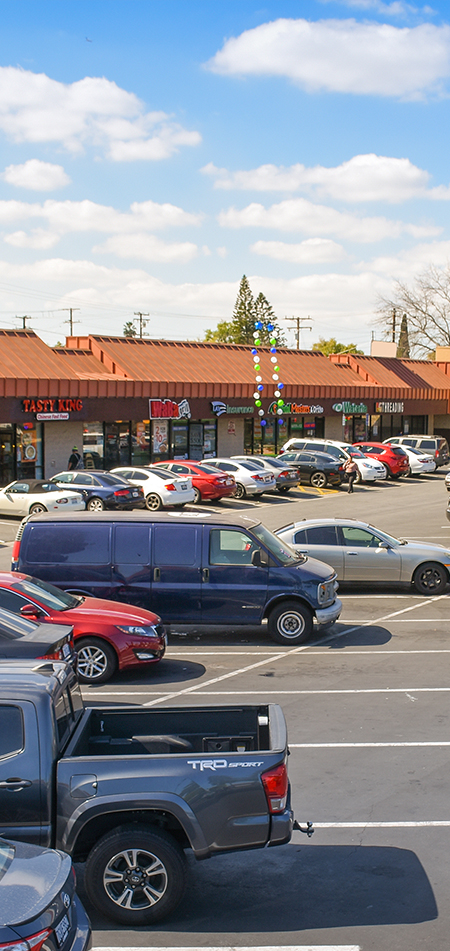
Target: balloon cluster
pixel 257 367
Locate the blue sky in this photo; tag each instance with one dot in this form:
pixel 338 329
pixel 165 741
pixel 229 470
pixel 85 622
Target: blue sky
pixel 153 151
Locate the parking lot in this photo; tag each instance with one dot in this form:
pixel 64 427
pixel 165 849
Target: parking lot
pixel 369 729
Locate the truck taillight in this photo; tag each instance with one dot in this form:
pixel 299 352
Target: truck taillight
pixel 275 782
pixel 15 554
pixel 32 943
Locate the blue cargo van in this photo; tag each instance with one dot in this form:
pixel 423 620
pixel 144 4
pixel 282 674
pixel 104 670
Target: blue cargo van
pixel 188 568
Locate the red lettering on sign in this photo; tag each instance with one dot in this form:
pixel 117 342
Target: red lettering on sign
pixel 26 405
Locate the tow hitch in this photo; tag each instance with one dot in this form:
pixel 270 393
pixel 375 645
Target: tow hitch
pixel 308 830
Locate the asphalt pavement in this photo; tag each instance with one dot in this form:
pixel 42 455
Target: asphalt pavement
pixel 367 707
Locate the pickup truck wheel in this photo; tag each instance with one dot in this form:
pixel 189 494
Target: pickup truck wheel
pixel 136 876
pixel 97 661
pixel 290 623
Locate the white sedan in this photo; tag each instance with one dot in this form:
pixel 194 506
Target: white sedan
pixel 419 462
pixel 161 487
pixel 250 478
pixel 31 496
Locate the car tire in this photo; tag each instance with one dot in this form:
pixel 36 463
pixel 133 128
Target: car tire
pixel 358 479
pixel 290 623
pixel 197 496
pixel 37 508
pixel 394 475
pixel 97 660
pixel 408 472
pixel 430 578
pixel 136 849
pixel 284 489
pixel 318 480
pixel 95 505
pixel 240 492
pixel 153 502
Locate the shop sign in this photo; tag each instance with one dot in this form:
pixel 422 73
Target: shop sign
pixel 350 409
pixel 296 409
pixel 219 408
pixel 53 408
pixel 389 407
pixel 168 409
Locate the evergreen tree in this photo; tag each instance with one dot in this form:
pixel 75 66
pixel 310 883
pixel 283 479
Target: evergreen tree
pixel 266 314
pixel 243 323
pixel 129 329
pixel 403 340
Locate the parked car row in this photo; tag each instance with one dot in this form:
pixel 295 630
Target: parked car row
pixel 395 457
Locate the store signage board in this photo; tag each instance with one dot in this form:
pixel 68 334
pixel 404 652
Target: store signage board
pixel 56 405
pixel 350 409
pixel 52 416
pixel 388 406
pixel 219 408
pixel 296 409
pixel 169 409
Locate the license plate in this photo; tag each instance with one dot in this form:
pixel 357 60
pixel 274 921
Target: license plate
pixel 66 650
pixel 183 485
pixel 62 930
pixel 74 501
pixel 135 492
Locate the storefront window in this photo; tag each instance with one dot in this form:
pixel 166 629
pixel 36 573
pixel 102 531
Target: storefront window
pixel 7 443
pixel 209 439
pixel 29 451
pixel 93 445
pixel 257 437
pixel 160 439
pixel 112 445
pixel 196 441
pixel 180 439
pixel 248 436
pixel 269 437
pixel 140 443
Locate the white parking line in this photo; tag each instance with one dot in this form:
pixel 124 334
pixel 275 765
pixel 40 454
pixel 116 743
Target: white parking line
pixel 420 823
pixel 332 746
pixel 235 947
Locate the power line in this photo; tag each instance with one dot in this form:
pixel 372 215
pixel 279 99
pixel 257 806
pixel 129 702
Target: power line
pixel 299 327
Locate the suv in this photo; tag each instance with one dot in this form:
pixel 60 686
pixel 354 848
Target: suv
pixel 368 469
pixel 435 446
pixel 393 457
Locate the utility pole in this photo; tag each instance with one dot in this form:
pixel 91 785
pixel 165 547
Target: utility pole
pixel 299 322
pixel 142 323
pixel 24 321
pixel 393 324
pixel 71 321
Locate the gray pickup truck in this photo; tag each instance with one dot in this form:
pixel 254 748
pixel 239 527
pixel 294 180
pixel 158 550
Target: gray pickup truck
pixel 128 789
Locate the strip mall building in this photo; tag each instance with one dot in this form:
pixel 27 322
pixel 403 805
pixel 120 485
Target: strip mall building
pixel 127 400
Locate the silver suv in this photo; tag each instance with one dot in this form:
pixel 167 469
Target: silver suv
pixel 435 446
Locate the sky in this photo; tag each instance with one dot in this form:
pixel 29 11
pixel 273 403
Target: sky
pixel 154 151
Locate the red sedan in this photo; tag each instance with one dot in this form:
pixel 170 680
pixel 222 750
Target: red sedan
pixel 207 481
pixel 109 635
pixel 394 458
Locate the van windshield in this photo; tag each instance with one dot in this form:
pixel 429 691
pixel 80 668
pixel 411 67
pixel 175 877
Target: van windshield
pixel 279 549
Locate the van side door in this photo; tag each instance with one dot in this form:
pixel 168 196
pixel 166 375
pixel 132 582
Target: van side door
pixel 176 579
pixel 131 569
pixel 20 780
pixel 234 584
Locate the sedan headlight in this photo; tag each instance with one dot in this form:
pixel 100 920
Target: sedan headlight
pixel 138 630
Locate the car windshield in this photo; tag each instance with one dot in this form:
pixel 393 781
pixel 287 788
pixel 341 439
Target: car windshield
pixel 418 452
pixel 355 453
pixel 281 550
pixel 47 594
pixel 390 539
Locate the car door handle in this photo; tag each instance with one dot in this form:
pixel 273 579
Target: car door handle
pixel 15 783
pixel 156 574
pixel 354 553
pixel 205 574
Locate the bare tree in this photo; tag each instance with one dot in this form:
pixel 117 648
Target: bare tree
pixel 427 306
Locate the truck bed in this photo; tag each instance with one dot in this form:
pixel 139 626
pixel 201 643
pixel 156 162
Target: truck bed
pixel 126 731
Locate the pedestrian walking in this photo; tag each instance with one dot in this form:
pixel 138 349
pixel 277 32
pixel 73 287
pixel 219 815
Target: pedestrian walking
pixel 75 459
pixel 351 470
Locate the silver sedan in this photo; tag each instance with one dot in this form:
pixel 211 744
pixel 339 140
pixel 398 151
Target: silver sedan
pixel 250 478
pixel 360 553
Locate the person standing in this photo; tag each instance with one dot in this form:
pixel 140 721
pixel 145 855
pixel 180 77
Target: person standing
pixel 75 460
pixel 351 470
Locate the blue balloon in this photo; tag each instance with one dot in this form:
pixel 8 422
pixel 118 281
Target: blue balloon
pixel 263 422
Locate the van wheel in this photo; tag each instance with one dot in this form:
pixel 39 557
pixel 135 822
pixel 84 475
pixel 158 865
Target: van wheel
pixel 240 492
pixel 135 875
pixel 430 578
pixel 37 508
pixel 318 480
pixel 95 505
pixel 97 661
pixel 153 502
pixel 290 623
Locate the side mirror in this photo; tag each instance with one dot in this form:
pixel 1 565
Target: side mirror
pixel 31 611
pixel 260 559
pixel 384 545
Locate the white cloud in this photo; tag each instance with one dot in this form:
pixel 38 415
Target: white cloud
pixel 38 238
pixel 298 214
pixel 149 248
pixel 311 251
pixel 408 263
pixel 36 175
pixel 395 9
pixel 91 112
pixel 361 178
pixel 65 217
pixel 343 56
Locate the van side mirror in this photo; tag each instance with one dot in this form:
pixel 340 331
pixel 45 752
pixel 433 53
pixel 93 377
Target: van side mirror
pixel 260 558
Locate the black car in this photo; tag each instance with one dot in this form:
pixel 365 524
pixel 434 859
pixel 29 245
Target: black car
pixel 102 490
pixel 22 637
pixel 38 904
pixel 315 468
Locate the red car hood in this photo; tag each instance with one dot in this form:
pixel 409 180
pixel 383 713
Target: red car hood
pixel 115 613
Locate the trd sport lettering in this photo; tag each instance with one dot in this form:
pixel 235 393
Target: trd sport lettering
pixel 218 764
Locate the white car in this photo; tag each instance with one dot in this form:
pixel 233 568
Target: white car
pixel 31 496
pixel 419 462
pixel 250 478
pixel 161 487
pixel 369 470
